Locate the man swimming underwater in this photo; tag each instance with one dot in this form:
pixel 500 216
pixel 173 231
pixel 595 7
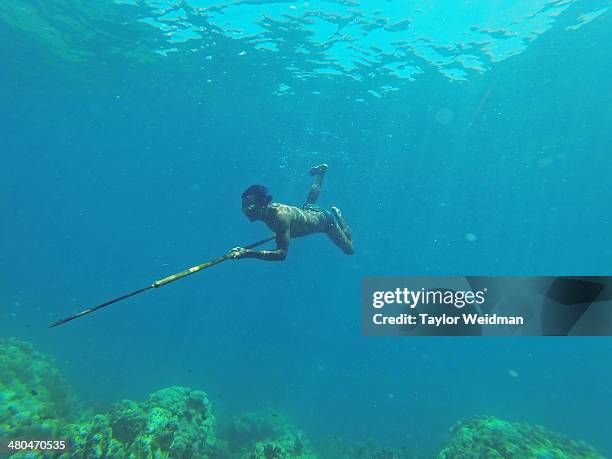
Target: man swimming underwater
pixel 290 221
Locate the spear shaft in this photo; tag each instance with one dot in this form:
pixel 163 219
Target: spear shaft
pixel 159 283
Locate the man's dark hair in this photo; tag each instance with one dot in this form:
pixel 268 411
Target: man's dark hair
pixel 259 193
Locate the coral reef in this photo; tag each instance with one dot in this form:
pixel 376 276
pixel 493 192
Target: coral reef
pixel 178 423
pixel 265 435
pixel 287 446
pixel 175 422
pixel 35 402
pixel 494 438
pixel 34 399
pixel 246 429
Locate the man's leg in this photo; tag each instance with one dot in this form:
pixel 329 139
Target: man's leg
pixel 318 172
pixel 343 226
pixel 340 238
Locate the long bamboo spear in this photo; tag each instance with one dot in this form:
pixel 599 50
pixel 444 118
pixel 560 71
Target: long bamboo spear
pixel 160 282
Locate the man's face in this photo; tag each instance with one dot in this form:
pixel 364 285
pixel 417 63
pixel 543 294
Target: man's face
pixel 250 208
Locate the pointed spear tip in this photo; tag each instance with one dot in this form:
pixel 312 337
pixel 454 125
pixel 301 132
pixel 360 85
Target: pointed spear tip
pixel 60 322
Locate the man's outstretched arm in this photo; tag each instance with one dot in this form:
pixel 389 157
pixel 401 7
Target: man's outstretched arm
pixel 278 254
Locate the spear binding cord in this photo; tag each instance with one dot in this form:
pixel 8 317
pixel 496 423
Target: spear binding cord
pixel 160 282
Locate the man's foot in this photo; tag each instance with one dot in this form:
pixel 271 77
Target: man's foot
pixel 341 223
pixel 318 170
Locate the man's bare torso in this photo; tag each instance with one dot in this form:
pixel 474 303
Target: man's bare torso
pixel 301 222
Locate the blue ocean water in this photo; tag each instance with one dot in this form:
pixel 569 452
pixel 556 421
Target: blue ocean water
pixel 468 138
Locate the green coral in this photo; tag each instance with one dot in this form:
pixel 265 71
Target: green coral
pixel 244 430
pixel 35 402
pixel 93 439
pixel 265 435
pixel 175 422
pixel 495 438
pixel 34 399
pixel 178 422
pixel 287 446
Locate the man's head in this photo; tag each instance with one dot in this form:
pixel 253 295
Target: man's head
pixel 254 200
